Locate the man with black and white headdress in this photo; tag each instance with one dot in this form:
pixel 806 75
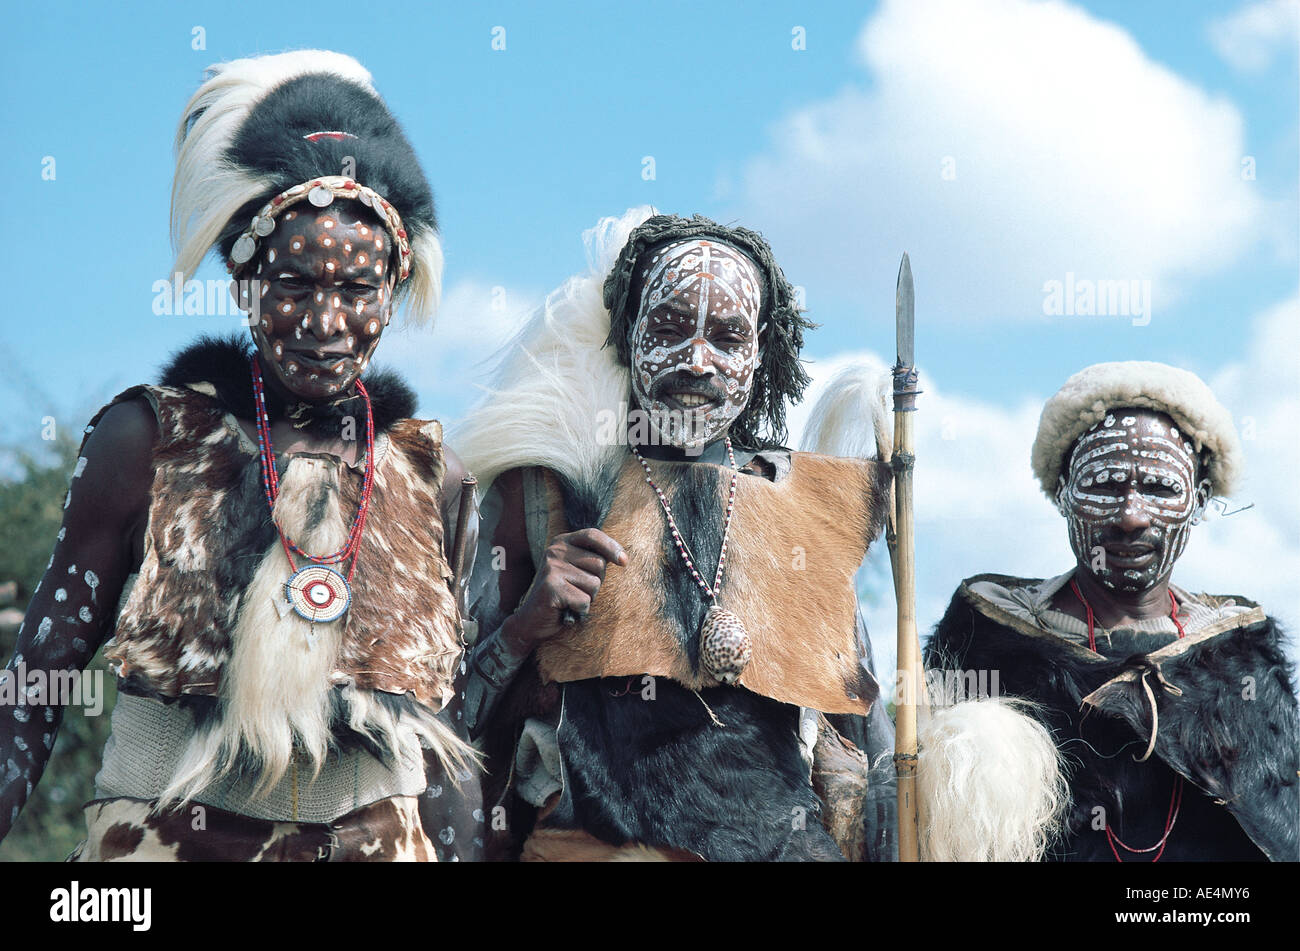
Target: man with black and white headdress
pixel 1174 712
pixel 666 593
pixel 276 527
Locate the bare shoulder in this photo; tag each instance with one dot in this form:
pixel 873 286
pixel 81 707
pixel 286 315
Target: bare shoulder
pixel 118 452
pixel 108 499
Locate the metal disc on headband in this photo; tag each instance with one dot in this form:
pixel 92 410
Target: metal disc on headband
pixel 318 593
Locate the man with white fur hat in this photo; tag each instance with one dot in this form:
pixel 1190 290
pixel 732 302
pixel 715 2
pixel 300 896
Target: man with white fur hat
pixel 1174 713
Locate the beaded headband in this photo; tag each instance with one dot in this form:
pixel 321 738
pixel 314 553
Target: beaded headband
pixel 320 192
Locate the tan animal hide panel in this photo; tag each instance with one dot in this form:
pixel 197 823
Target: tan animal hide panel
pixel 793 550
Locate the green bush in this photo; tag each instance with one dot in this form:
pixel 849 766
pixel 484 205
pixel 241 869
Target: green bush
pixel 31 510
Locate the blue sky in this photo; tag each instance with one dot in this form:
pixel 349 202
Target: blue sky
pixel 1102 139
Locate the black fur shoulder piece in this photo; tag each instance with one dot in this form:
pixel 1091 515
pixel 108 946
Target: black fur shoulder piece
pixel 223 362
pixel 1236 749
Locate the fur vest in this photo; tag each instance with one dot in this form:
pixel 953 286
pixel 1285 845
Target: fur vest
pixel 207 620
pixel 1227 724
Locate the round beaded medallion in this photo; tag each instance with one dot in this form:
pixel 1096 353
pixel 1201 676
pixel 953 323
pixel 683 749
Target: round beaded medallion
pixel 318 593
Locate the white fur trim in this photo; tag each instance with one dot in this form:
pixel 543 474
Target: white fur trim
pixel 207 191
pixel 1087 396
pixel 558 392
pixel 851 416
pixel 989 783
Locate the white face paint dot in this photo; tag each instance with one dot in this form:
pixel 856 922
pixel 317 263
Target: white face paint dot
pixel 85 614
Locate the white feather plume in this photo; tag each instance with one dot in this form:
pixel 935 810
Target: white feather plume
pixel 558 396
pixel 207 191
pixel 851 415
pixel 424 287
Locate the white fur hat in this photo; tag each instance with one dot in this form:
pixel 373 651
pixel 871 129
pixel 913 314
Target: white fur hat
pixel 1091 393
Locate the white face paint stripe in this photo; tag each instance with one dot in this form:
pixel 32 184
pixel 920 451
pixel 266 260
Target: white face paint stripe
pixel 1136 458
pixel 675 272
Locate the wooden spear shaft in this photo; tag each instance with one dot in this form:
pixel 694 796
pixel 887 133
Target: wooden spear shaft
pixel 903 556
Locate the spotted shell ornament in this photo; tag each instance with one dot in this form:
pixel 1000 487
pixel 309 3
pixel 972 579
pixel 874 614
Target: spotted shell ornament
pixel 725 647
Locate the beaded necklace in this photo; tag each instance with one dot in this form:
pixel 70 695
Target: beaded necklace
pixel 725 646
pixel 1176 796
pixel 316 592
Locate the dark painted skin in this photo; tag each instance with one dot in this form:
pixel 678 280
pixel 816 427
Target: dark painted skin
pixel 104 523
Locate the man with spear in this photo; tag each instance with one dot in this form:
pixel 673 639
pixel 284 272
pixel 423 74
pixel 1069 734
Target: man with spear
pixel 666 592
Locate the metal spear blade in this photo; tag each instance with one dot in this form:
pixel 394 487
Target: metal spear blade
pixel 904 311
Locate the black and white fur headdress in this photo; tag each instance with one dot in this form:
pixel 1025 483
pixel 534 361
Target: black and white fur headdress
pixel 258 128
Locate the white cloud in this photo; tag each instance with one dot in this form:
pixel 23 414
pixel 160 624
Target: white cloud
pixel 1256 553
pixel 1066 149
pixel 1250 38
pixel 979 509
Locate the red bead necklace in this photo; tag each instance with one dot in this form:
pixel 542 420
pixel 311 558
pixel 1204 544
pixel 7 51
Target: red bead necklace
pixel 316 592
pixel 1176 797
